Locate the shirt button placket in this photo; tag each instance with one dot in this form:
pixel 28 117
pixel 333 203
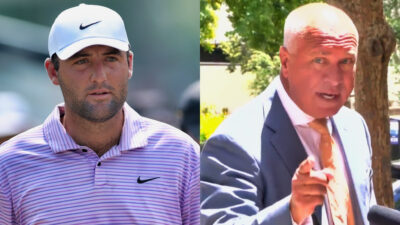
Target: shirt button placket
pixel 100 174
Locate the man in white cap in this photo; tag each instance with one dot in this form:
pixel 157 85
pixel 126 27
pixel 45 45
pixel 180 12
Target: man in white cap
pixel 95 160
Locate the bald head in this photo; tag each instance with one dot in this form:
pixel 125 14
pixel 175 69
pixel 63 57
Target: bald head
pixel 317 19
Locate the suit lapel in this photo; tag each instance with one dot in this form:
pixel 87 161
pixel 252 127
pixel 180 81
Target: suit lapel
pixel 286 142
pixel 352 160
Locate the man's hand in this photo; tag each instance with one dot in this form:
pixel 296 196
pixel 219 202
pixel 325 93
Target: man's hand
pixel 308 189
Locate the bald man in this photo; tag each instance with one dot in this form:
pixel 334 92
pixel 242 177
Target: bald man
pixel 295 154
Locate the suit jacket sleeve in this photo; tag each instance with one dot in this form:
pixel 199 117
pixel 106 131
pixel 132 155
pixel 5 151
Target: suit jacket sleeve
pixel 232 187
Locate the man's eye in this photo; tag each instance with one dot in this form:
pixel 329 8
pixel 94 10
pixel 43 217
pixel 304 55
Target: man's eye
pixel 318 60
pixel 81 61
pixel 111 59
pixel 347 61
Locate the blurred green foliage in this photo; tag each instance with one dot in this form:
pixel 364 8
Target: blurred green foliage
pixel 260 23
pixel 208 22
pixel 391 9
pixel 257 34
pixel 264 66
pixel 209 121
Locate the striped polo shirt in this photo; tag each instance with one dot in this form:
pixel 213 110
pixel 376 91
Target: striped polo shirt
pixel 150 177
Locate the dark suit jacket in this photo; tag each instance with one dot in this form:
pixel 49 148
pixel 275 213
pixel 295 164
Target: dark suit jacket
pixel 248 163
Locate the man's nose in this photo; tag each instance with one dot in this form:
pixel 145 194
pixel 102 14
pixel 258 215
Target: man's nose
pixel 334 75
pixel 98 73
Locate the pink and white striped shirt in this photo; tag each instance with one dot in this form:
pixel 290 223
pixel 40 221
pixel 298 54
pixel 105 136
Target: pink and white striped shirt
pixel 150 177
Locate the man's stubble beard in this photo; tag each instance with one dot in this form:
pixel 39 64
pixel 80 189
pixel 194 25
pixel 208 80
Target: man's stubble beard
pixel 89 111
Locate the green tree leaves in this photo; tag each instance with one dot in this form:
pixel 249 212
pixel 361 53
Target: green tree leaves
pixel 208 22
pixel 258 33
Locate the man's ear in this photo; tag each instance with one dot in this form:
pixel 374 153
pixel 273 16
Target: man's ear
pixel 284 56
pixel 130 64
pixel 51 71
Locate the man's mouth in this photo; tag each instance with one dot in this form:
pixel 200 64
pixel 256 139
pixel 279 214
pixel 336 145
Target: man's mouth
pixel 328 96
pixel 99 92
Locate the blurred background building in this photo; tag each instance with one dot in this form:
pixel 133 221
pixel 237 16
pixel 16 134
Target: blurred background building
pixel 164 36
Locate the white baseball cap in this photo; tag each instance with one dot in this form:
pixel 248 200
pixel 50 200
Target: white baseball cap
pixel 85 25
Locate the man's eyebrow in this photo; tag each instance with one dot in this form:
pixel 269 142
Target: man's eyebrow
pixel 113 51
pixel 319 52
pixel 79 54
pixel 322 52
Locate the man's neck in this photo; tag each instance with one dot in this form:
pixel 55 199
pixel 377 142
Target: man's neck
pixel 99 136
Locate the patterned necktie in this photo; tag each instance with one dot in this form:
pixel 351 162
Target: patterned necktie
pixel 338 191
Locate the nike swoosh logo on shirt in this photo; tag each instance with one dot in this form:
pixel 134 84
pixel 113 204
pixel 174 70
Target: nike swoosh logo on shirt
pixel 139 181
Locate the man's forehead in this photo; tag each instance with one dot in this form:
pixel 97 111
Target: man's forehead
pixel 334 30
pixel 324 17
pixel 331 22
pixel 320 21
pixel 102 48
pixel 317 37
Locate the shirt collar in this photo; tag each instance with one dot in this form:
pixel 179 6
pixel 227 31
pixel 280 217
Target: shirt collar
pixel 133 133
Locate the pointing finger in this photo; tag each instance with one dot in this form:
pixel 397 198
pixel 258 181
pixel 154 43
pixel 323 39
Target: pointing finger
pixel 306 166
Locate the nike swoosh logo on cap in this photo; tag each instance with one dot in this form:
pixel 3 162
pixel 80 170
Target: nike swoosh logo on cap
pixel 139 181
pixel 82 27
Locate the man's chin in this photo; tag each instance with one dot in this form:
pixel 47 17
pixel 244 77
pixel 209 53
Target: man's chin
pixel 99 113
pixel 99 118
pixel 324 112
